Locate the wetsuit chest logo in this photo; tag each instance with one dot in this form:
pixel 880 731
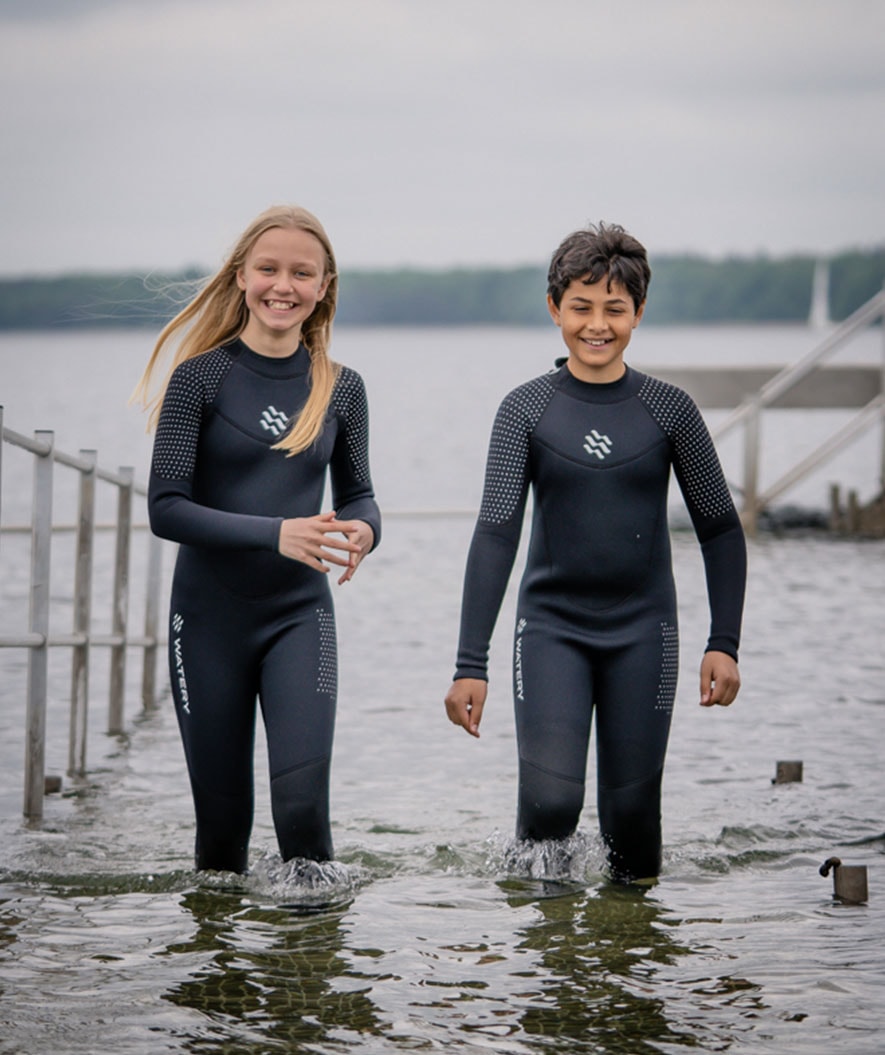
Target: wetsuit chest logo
pixel 597 444
pixel 273 421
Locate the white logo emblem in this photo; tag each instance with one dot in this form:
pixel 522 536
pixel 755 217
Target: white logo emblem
pixel 517 659
pixel 177 624
pixel 274 421
pixel 597 444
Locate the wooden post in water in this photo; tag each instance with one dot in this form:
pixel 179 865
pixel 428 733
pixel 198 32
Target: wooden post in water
pixel 849 881
pixel 835 509
pixel 38 655
pixel 120 602
pixel 85 546
pixel 787 772
pixel 853 513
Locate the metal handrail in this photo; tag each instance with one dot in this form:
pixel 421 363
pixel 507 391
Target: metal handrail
pixel 37 638
pixel 791 375
pixel 749 412
pixel 872 412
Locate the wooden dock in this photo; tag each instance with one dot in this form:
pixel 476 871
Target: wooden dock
pixel 831 387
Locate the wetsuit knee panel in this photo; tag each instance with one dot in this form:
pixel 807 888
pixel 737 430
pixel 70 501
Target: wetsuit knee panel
pixel 300 807
pixel 630 822
pixel 549 804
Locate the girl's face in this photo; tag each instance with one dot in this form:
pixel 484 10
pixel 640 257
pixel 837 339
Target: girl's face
pixel 597 324
pixel 283 280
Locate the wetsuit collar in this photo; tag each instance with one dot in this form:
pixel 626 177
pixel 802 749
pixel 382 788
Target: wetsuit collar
pixel 291 366
pixel 607 392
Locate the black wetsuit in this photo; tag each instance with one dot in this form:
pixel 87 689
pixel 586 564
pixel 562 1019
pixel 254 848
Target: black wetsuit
pixel 596 625
pixel 246 622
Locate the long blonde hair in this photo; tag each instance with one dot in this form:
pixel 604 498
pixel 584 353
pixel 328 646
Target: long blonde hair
pixel 218 314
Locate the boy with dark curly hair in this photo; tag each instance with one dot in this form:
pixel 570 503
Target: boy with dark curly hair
pixel 596 627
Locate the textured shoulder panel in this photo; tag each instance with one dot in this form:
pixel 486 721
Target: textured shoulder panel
pixel 349 402
pixel 517 417
pixel 193 386
pixel 679 418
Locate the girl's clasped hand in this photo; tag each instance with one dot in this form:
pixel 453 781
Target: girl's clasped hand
pixel 316 541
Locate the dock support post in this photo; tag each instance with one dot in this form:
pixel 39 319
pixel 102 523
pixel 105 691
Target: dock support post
pixel 85 546
pixel 751 469
pixel 882 454
pixel 120 602
pixel 38 655
pixel 835 509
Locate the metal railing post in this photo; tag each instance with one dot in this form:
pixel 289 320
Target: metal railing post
pixel 1 463
pixel 85 546
pixel 120 602
pixel 882 455
pixel 151 623
pixel 38 656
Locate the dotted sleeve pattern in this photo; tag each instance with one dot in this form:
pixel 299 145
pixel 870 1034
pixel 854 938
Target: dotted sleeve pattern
pixel 498 527
pixel 193 386
pixel 506 466
pixel 695 458
pixel 716 521
pixel 350 403
pixel 352 492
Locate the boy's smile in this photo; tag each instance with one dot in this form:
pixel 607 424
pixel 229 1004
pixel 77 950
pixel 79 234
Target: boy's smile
pixel 597 320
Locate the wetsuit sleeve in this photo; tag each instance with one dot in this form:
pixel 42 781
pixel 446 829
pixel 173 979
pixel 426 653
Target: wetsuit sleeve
pixel 495 537
pixel 716 524
pixel 173 512
pixel 352 495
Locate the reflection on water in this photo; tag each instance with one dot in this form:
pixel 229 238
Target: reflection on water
pixel 601 955
pixel 265 976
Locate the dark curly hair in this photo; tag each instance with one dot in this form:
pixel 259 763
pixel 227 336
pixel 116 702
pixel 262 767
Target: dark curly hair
pixel 597 252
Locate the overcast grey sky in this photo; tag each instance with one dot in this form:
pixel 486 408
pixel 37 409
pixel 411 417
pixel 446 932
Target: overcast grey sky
pixel 147 133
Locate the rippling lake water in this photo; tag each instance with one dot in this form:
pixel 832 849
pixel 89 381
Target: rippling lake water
pixel 432 931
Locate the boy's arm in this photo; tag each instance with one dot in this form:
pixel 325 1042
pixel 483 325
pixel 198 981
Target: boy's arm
pixel 719 531
pixel 724 551
pixel 495 541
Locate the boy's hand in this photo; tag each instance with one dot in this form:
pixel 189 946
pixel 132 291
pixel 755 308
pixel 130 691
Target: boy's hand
pixel 720 679
pixel 464 703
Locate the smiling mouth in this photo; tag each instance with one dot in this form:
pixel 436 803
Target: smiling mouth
pixel 597 343
pixel 279 305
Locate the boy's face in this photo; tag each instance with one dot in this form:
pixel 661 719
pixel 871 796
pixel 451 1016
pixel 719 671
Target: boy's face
pixel 597 323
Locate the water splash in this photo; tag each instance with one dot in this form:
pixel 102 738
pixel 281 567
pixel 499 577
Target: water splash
pixel 578 859
pixel 303 884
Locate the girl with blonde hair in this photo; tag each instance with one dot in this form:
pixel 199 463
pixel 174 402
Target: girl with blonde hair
pixel 250 417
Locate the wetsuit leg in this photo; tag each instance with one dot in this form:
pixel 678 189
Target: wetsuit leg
pixel 214 687
pixel 298 695
pixel 553 695
pixel 635 688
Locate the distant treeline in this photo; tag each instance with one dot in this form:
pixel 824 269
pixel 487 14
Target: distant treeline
pixel 684 289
